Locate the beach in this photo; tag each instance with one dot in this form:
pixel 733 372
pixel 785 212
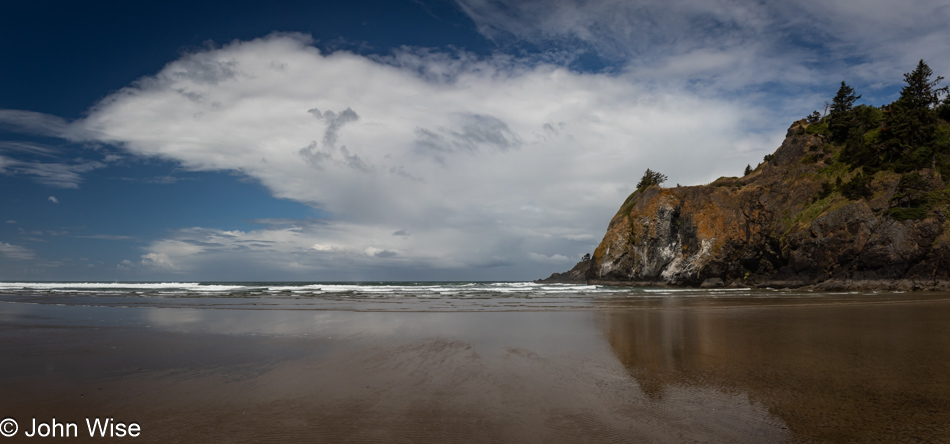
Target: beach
pixel 714 367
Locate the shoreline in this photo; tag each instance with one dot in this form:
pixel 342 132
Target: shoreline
pixel 827 285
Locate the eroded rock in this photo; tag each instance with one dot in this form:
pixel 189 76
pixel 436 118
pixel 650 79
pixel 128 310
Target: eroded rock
pixel 771 228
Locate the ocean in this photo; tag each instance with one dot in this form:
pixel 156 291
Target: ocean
pixel 410 296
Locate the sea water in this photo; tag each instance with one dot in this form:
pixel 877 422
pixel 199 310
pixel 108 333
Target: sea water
pixel 407 296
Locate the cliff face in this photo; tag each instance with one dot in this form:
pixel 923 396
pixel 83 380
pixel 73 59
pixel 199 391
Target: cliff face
pixel 782 225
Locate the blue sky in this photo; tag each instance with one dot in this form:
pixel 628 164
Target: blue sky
pixel 397 140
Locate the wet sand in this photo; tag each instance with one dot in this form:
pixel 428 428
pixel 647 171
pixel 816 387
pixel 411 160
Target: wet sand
pixel 667 370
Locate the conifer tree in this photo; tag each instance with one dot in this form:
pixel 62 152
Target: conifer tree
pixel 839 117
pixel 843 101
pixel 920 92
pixel 910 123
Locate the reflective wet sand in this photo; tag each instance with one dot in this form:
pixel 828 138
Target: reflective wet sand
pixel 830 373
pixel 698 369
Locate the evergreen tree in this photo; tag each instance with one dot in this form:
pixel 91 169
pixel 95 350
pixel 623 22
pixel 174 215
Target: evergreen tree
pixel 839 117
pixel 910 123
pixel 920 92
pixel 861 148
pixel 748 169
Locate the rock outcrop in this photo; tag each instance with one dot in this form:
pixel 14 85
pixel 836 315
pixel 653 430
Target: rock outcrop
pixel 782 225
pixel 576 275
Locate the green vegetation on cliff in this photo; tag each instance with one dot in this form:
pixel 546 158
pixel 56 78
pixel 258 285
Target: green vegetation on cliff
pixel 864 145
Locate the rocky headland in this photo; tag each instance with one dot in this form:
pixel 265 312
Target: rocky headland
pixel 840 205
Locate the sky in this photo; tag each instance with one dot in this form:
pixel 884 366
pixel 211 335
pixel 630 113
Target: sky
pixel 398 140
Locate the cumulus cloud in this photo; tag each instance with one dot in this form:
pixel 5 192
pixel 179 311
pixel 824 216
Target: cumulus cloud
pixel 483 159
pixel 470 133
pixel 325 251
pixel 156 260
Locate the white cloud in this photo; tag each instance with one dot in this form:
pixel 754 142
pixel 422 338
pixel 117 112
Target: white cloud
pixel 723 46
pixel 54 174
pixel 552 259
pixel 487 161
pixel 15 252
pixel 27 147
pixel 53 199
pixel 156 260
pixel 320 251
pixel 186 247
pixel 480 159
pixel 379 252
pixel 106 237
pixel 35 123
pixel 580 237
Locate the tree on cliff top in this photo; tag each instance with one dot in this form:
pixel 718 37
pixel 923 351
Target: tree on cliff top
pixel 910 123
pixel 839 118
pixel 907 137
pixel 650 178
pixel 921 92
